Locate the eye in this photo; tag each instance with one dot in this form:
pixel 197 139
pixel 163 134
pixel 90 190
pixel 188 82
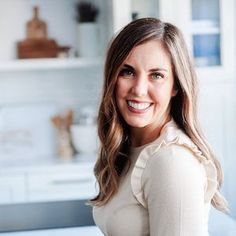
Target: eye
pixel 157 76
pixel 125 72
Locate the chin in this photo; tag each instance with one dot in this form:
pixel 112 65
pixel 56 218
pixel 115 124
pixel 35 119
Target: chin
pixel 136 124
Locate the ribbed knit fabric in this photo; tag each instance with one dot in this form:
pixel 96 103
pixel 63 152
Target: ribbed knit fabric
pixel 166 192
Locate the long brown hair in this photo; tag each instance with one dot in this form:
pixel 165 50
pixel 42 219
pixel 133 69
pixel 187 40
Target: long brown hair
pixel 112 129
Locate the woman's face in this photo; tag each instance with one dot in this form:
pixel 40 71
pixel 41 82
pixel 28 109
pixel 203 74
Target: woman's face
pixel 145 85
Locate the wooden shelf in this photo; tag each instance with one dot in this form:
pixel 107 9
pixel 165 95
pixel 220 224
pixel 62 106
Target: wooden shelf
pixel 49 64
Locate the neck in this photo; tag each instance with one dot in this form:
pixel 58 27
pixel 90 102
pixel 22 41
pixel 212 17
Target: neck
pixel 147 134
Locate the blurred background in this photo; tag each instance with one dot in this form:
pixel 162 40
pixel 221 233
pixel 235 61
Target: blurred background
pixel 51 72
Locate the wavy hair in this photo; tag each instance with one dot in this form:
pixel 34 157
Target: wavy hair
pixel 113 131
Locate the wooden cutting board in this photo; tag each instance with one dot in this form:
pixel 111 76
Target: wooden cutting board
pixel 37 48
pixel 36 28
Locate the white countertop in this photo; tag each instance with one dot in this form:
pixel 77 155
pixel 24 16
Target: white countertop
pixel 25 164
pixel 75 231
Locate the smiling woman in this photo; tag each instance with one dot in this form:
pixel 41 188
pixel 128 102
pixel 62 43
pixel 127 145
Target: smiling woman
pixel 156 172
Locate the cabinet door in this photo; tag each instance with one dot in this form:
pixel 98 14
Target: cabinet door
pixel 209 30
pixel 12 188
pixel 206 32
pixel 54 185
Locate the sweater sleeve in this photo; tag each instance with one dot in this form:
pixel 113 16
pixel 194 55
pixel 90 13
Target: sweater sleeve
pixel 173 186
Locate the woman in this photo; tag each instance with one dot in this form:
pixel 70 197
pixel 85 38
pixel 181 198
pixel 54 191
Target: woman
pixel 156 173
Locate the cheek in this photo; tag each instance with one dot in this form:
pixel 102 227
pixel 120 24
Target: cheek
pixel 117 92
pixel 121 89
pixel 120 96
pixel 162 95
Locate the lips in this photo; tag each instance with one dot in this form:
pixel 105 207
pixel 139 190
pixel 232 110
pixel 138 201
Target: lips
pixel 139 106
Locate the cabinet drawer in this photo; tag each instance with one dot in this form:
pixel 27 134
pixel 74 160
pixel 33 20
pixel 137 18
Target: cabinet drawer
pixel 12 188
pixel 60 186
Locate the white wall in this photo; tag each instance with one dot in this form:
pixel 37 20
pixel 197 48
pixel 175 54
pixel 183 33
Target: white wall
pixel 64 88
pixel 68 87
pixel 58 14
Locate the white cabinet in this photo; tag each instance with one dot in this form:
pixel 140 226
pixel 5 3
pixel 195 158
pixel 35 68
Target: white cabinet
pixel 12 188
pixel 59 182
pixel 208 27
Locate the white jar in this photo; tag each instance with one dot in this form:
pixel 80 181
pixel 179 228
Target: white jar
pixel 87 37
pixel 84 138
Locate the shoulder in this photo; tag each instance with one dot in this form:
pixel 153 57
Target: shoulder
pixel 173 146
pixel 171 169
pixel 172 141
pixel 172 151
pixel 173 157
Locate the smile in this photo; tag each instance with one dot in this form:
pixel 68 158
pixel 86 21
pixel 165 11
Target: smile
pixel 139 105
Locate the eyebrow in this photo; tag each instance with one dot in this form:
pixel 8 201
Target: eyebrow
pixel 151 70
pixel 128 66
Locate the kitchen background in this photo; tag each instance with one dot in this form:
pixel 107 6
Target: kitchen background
pixel 50 102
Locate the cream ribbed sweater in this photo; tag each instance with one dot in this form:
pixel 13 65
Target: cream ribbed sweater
pixel 167 191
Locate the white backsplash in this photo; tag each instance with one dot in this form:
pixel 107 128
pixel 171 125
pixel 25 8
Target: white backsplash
pixel 26 97
pixel 26 131
pixel 29 99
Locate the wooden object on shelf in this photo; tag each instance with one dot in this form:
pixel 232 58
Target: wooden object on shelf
pixel 62 125
pixel 36 28
pixel 36 44
pixel 37 48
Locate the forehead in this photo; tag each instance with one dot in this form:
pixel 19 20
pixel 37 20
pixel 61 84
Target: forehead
pixel 151 54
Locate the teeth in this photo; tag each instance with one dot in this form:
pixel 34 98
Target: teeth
pixel 139 106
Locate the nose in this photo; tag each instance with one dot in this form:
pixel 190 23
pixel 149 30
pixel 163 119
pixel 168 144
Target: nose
pixel 140 86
